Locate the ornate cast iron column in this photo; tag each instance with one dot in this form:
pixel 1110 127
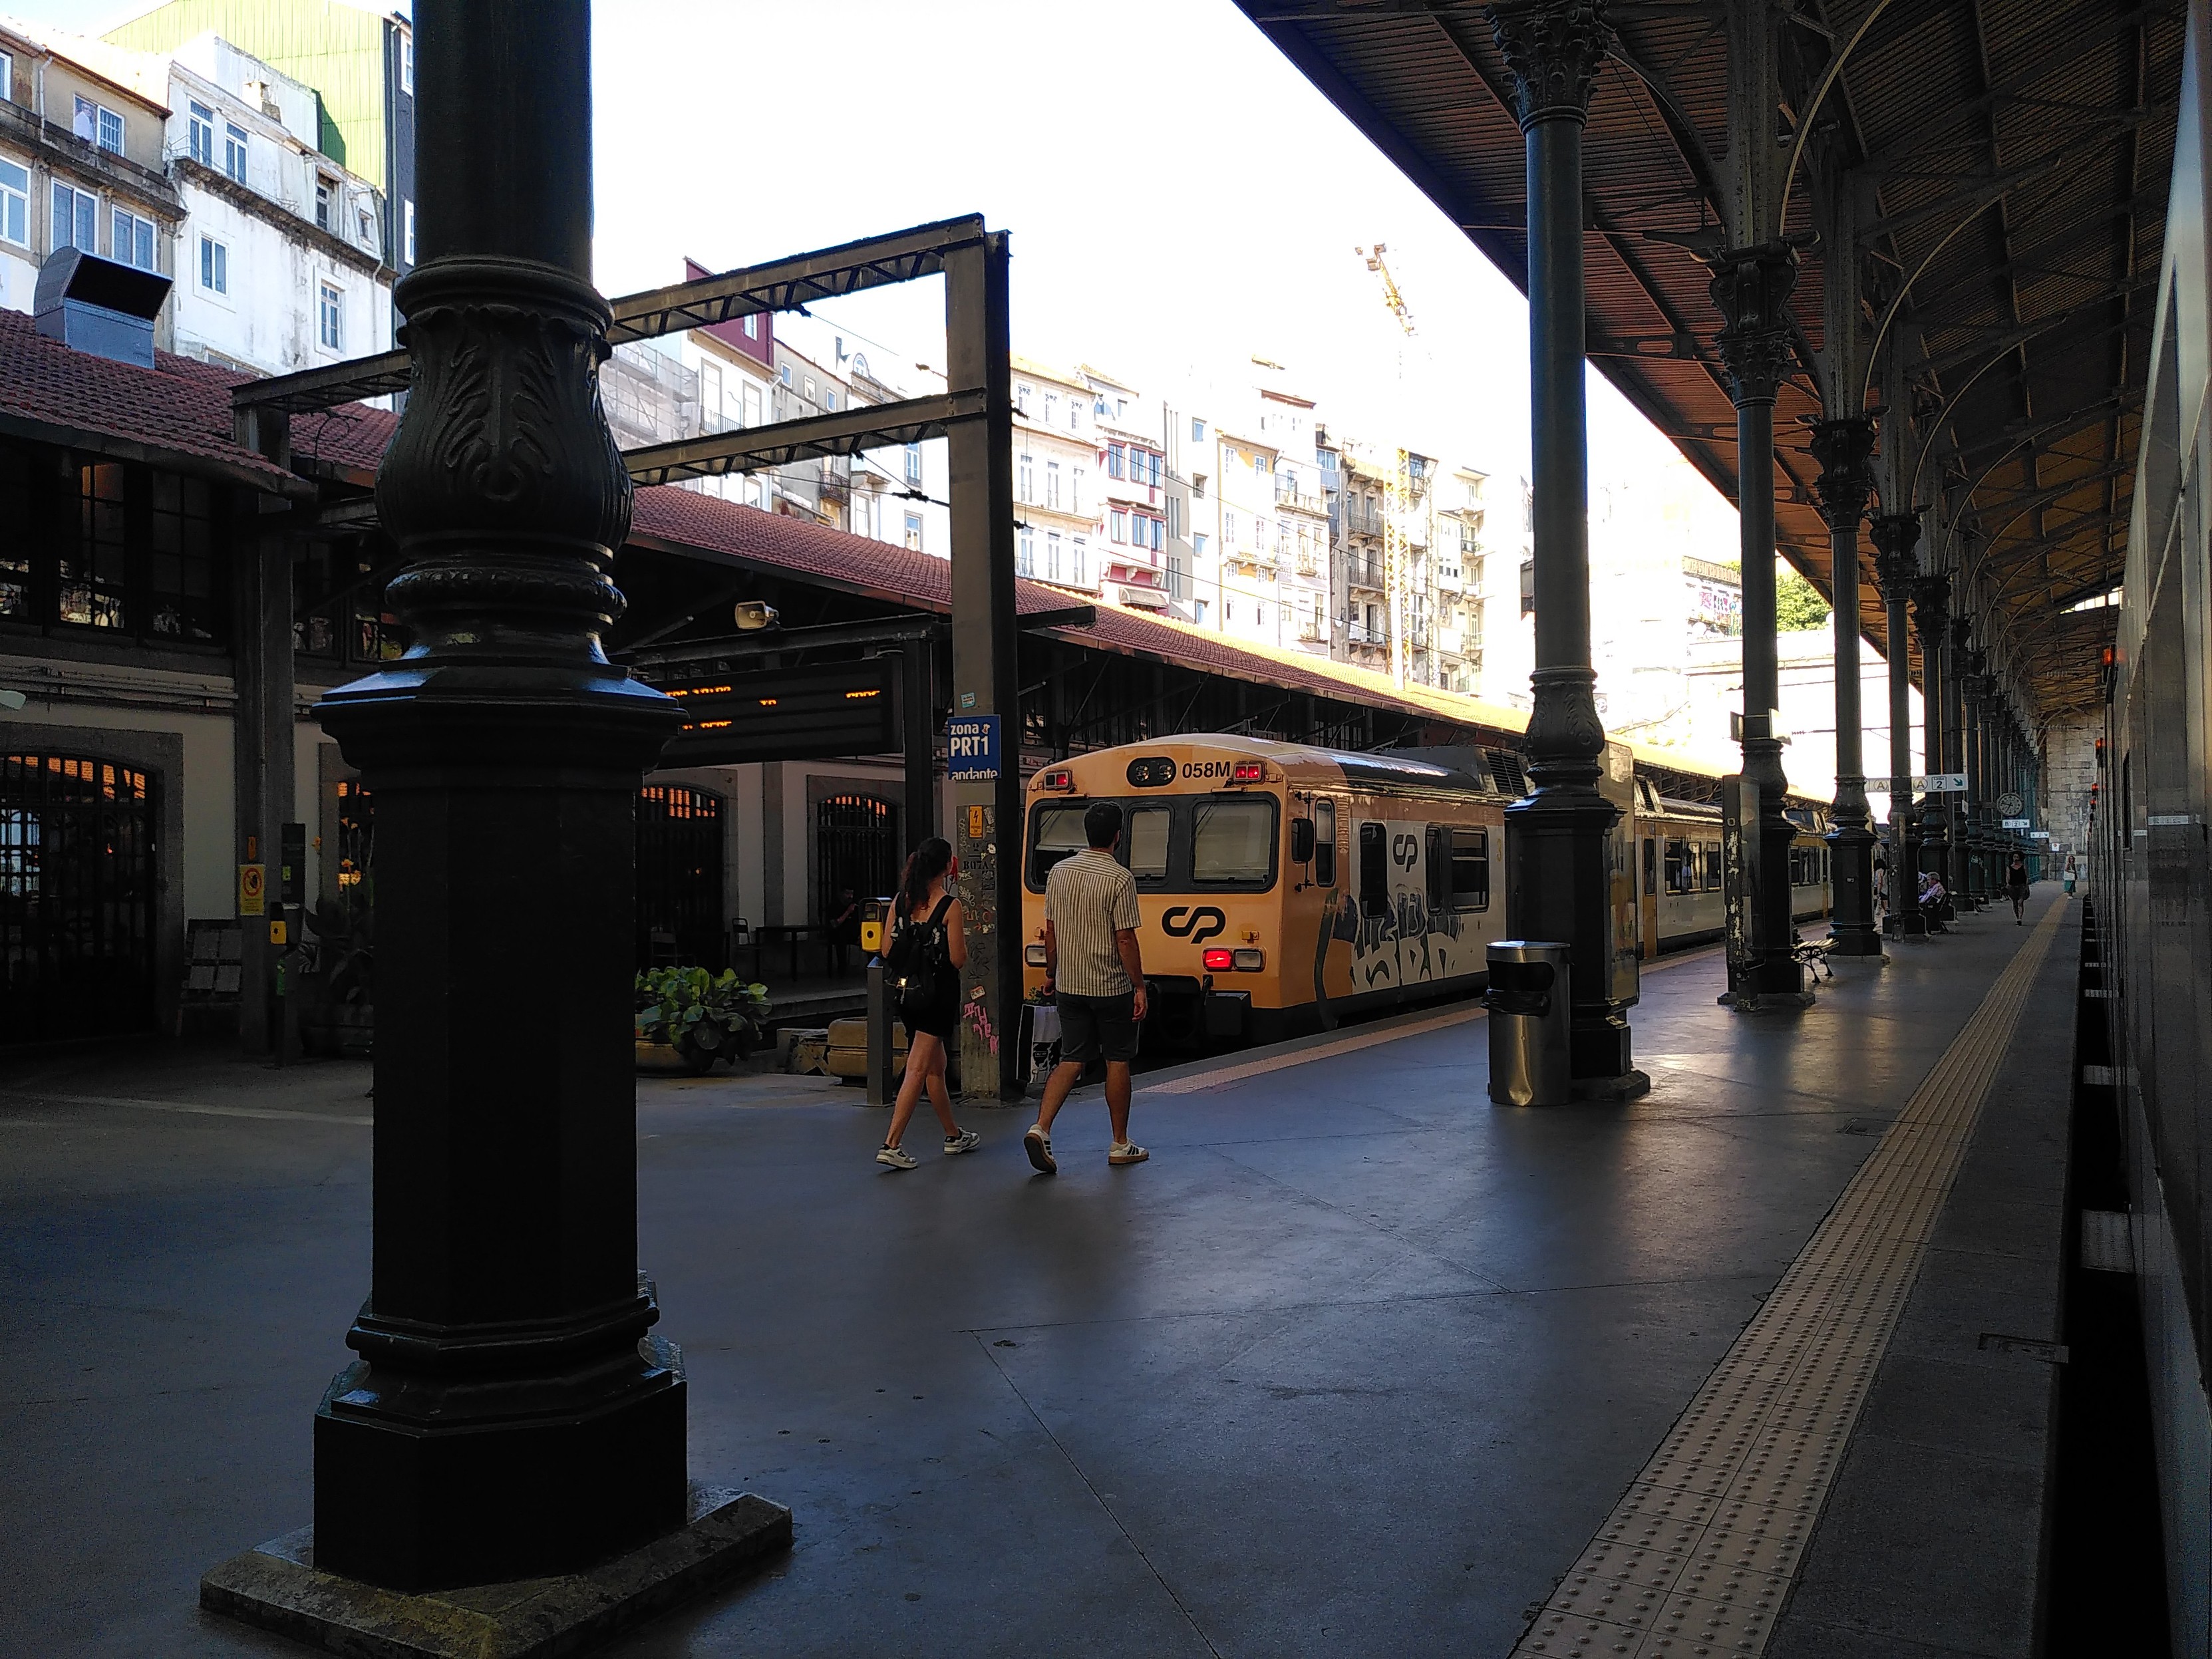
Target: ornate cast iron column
pixel 1973 688
pixel 1752 289
pixel 1959 876
pixel 1931 604
pixel 510 1414
pixel 1894 536
pixel 1845 450
pixel 1558 843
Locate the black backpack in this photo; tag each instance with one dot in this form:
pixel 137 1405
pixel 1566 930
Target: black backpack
pixel 918 968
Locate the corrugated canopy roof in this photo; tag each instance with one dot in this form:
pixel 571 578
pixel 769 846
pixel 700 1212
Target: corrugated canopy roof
pixel 2018 149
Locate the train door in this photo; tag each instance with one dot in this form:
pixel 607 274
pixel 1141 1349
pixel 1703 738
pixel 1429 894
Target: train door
pixel 1648 897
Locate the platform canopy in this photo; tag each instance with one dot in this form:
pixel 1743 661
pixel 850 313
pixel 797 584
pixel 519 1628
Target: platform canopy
pixel 2017 156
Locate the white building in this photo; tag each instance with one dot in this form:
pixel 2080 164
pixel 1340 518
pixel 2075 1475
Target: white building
pixel 1056 457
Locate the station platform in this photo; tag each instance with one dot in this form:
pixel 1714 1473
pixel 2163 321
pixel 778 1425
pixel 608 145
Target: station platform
pixel 1358 1363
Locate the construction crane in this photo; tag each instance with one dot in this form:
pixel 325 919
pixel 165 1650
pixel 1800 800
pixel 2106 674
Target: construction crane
pixel 1391 297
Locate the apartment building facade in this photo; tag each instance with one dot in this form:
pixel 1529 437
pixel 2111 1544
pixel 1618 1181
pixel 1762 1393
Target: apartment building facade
pixel 1057 453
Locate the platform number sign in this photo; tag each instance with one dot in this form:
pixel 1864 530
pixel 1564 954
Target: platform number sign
pixel 971 748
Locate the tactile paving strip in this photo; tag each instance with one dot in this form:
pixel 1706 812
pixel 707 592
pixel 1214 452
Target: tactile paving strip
pixel 1696 1561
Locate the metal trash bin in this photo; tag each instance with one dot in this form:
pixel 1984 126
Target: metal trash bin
pixel 1531 1006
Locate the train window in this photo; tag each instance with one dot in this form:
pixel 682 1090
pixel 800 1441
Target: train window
pixel 1147 842
pixel 1681 873
pixel 1233 840
pixel 1374 869
pixel 1055 833
pixel 1712 855
pixel 1324 859
pixel 1470 869
pixel 1651 864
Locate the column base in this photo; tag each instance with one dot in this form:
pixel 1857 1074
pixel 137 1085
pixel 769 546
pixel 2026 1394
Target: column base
pixel 1855 943
pixel 422 1483
pixel 278 1586
pixel 1631 1085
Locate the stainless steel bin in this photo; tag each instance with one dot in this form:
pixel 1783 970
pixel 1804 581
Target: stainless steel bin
pixel 1531 1006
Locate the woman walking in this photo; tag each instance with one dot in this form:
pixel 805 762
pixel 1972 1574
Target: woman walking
pixel 929 936
pixel 2016 888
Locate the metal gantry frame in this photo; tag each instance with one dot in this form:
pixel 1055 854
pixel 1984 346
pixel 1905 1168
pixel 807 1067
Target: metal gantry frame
pixel 974 415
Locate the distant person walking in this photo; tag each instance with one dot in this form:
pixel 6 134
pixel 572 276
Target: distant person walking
pixel 928 949
pixel 2016 889
pixel 844 933
pixel 1091 965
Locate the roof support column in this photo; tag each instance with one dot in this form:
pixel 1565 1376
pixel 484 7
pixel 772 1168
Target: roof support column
pixel 1895 537
pixel 510 1415
pixel 1844 449
pixel 1752 289
pixel 1560 849
pixel 1973 686
pixel 1959 875
pixel 1931 605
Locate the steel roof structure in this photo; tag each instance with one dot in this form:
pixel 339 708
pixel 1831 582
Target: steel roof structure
pixel 2013 159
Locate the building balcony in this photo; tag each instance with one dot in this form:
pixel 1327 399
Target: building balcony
pixel 1305 500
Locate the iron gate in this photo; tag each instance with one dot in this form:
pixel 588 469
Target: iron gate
pixel 856 846
pixel 76 898
pixel 679 879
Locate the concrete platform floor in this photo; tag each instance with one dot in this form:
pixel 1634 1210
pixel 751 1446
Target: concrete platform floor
pixel 1355 1365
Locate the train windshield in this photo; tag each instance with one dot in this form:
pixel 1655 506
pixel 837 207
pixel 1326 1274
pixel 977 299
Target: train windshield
pixel 1055 832
pixel 1233 840
pixel 1148 842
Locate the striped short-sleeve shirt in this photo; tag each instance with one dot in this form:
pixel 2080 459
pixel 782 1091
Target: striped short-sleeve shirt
pixel 1087 899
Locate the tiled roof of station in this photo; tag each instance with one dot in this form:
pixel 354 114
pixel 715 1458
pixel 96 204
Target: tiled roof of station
pixel 176 413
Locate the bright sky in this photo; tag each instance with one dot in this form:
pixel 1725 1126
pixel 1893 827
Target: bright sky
pixel 1179 198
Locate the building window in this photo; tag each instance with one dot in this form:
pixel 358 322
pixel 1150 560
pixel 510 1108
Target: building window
pixel 407 65
pixel 407 218
pixel 1075 491
pixel 76 220
pixel 1229 528
pixel 202 119
pixel 1175 578
pixel 1197 545
pixel 1117 460
pixel 93 582
pixel 809 389
pixel 1027 480
pixel 1175 517
pixel 784 374
pixel 914 531
pixel 913 463
pixel 1081 572
pixel 134 239
pixel 1259 467
pixel 323 191
pixel 214 266
pixel 752 402
pixel 832 403
pixel 330 310
pixel 710 397
pixel 752 325
pixel 1197 430
pixel 1051 410
pixel 15 204
pixel 234 152
pixel 1052 556
pixel 1022 395
pixel 1075 414
pixel 1118 521
pixel 98 125
pixel 7 75
pixel 1025 554
pixel 180 577
pixel 1052 485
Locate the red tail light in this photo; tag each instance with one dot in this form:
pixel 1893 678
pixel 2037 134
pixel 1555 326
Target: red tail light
pixel 1060 781
pixel 1249 772
pixel 1219 961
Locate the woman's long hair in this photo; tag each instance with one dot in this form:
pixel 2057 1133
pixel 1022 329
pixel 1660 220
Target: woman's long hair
pixel 924 865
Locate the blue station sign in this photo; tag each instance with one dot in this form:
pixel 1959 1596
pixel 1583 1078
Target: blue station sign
pixel 971 748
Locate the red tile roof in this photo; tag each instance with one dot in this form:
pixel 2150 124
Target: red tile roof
pixel 177 411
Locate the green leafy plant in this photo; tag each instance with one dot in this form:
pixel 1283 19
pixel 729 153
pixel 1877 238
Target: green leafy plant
pixel 704 1016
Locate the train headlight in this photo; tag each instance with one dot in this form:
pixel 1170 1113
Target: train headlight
pixel 1250 962
pixel 1033 955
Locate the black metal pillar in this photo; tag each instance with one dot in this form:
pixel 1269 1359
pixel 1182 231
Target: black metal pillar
pixel 1957 875
pixel 1894 536
pixel 1931 615
pixel 1845 450
pixel 986 680
pixel 918 732
pixel 1752 289
pixel 1973 687
pixel 262 748
pixel 509 1416
pixel 1559 880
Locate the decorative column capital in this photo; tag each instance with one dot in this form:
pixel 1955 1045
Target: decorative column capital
pixel 1931 605
pixel 1751 287
pixel 1844 449
pixel 1895 535
pixel 1551 49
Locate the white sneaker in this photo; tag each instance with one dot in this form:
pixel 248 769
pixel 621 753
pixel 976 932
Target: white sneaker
pixel 1126 1151
pixel 1038 1144
pixel 965 1142
pixel 897 1157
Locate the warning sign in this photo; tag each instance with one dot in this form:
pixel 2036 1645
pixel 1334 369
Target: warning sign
pixel 251 877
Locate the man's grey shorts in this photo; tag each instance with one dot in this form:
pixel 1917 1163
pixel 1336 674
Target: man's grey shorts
pixel 1095 1028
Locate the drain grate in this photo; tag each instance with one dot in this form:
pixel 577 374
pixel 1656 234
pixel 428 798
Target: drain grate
pixel 1697 1557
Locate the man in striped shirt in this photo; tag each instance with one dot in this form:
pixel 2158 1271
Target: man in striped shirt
pixel 1091 966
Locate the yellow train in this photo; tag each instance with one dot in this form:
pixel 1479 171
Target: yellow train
pixel 1283 887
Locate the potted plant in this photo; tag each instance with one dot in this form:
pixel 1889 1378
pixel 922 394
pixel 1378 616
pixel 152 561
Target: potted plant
pixel 687 1018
